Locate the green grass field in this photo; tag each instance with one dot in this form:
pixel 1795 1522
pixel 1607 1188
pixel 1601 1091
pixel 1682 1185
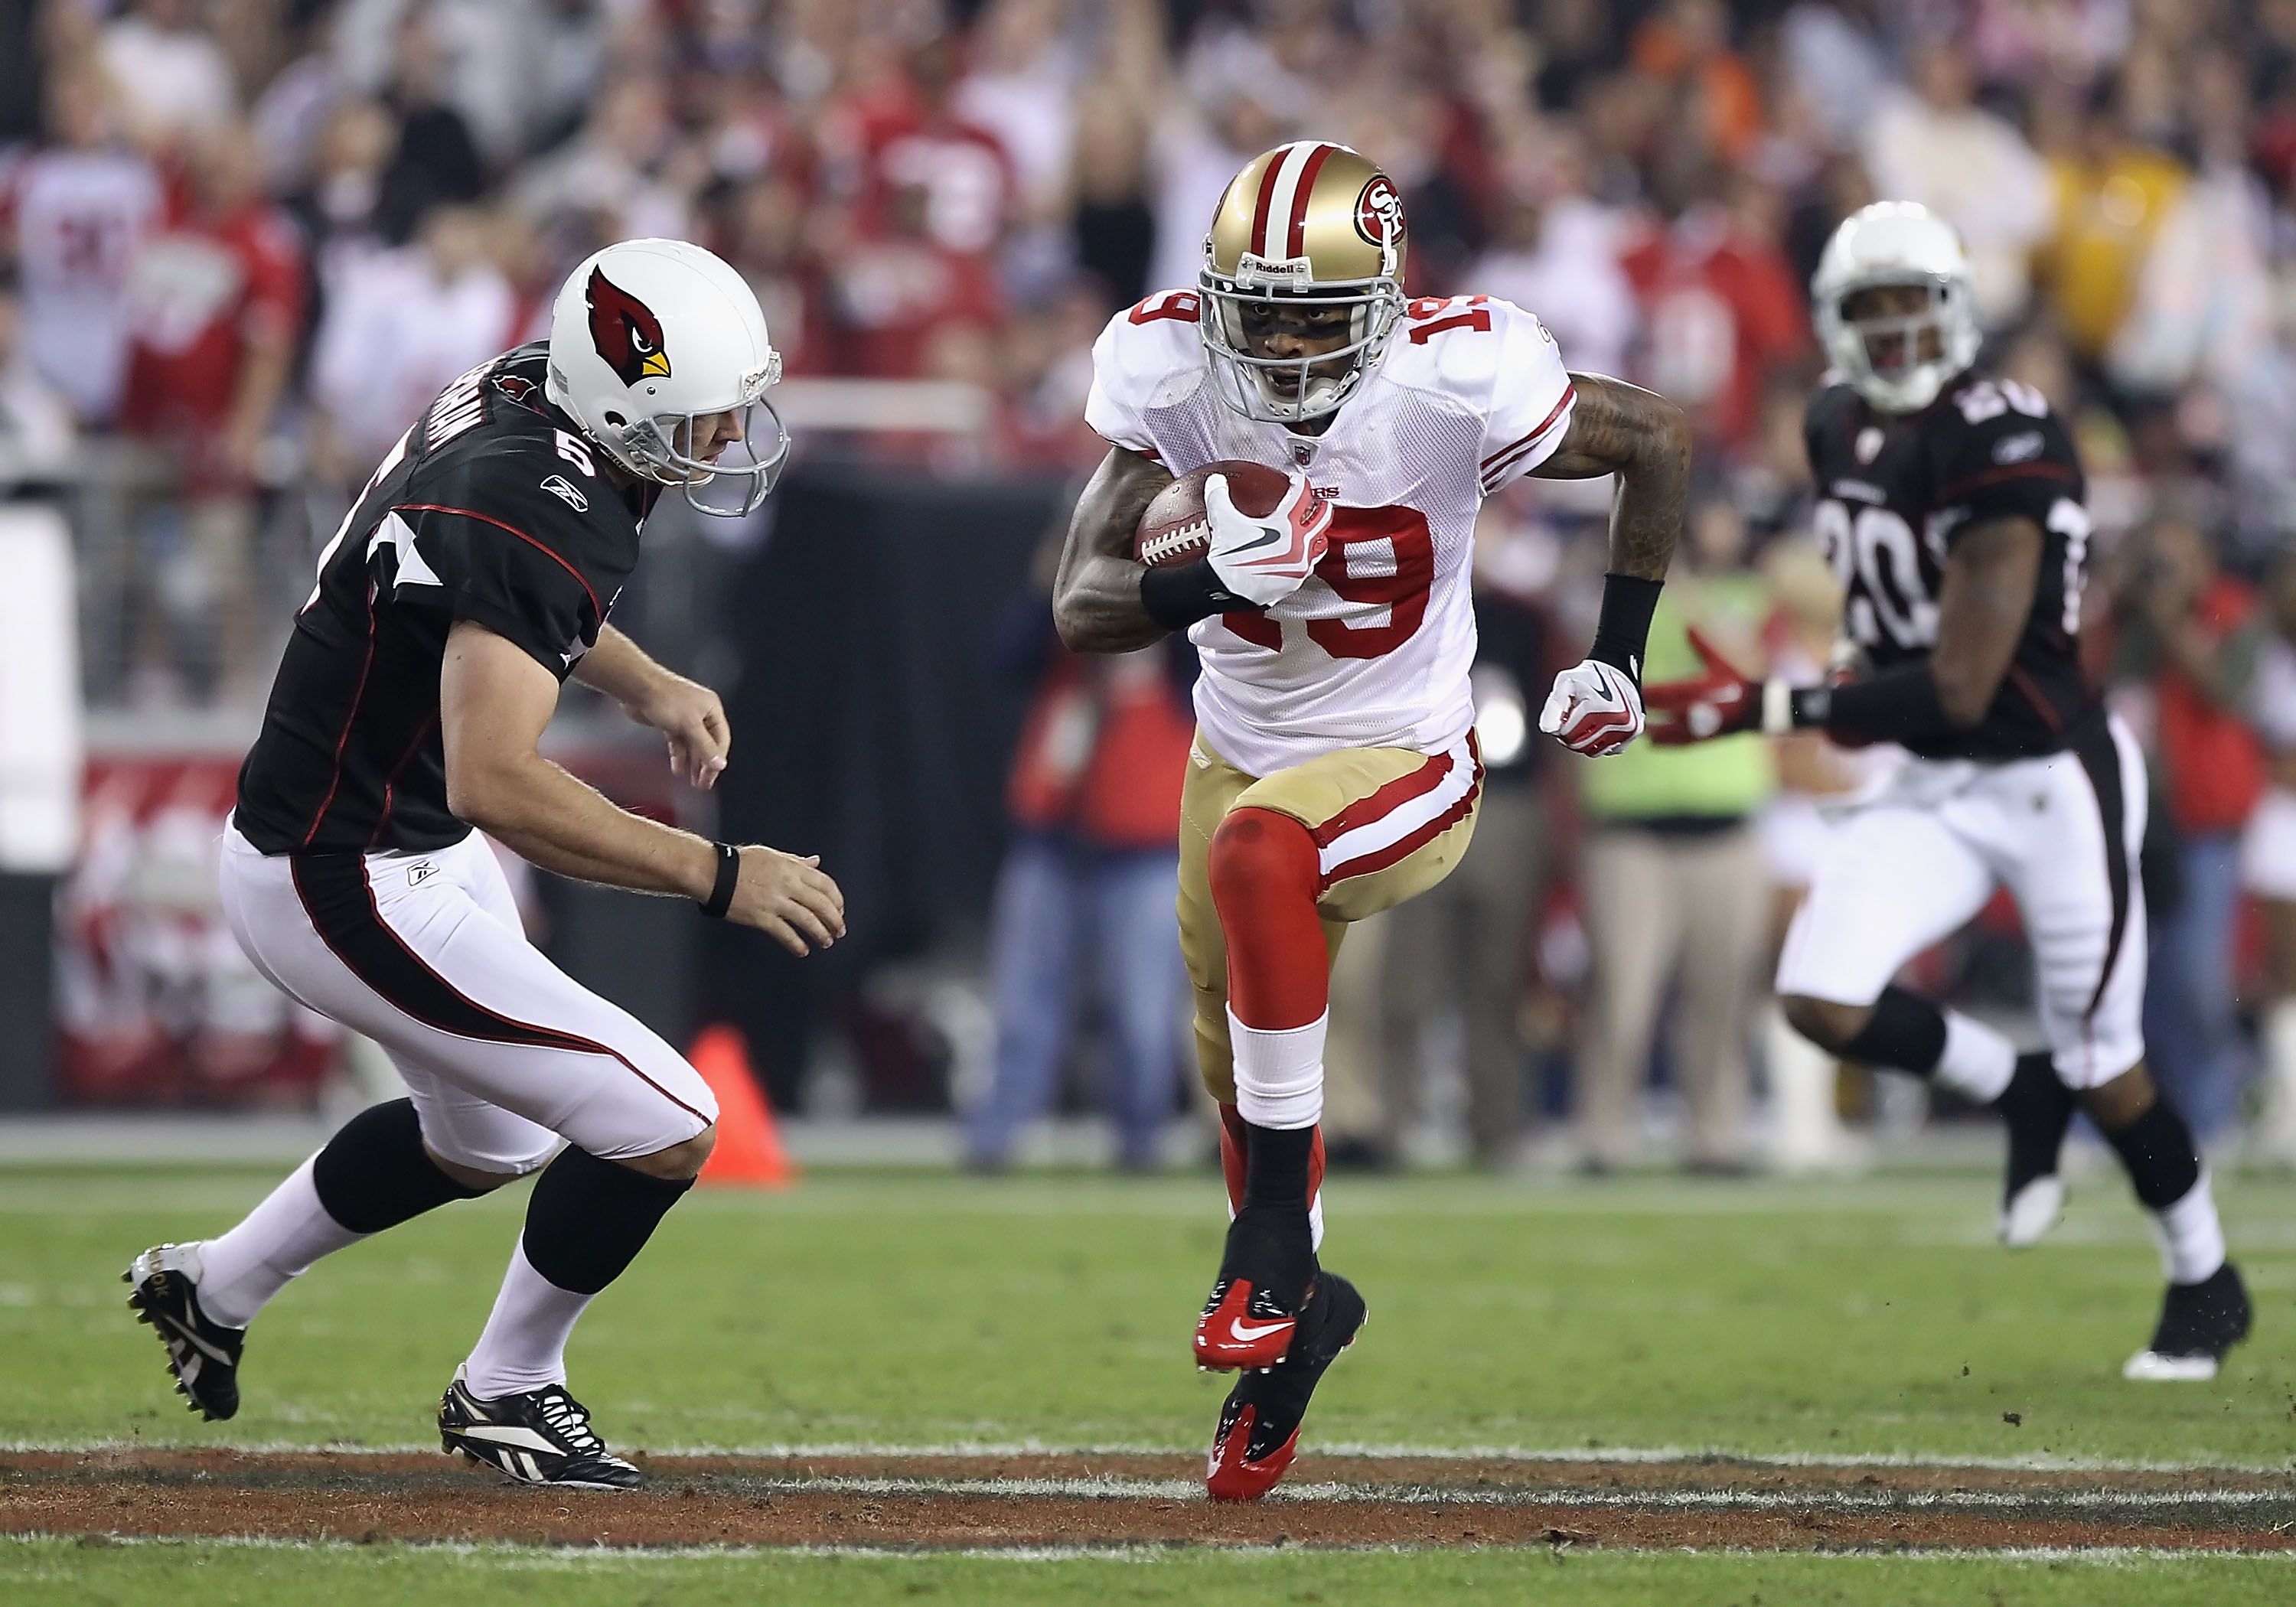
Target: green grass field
pixel 1872 1317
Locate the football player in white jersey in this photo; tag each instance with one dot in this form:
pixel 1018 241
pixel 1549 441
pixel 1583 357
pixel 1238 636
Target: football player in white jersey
pixel 1334 772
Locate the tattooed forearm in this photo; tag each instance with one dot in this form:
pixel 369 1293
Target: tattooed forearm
pixel 1096 595
pixel 1643 439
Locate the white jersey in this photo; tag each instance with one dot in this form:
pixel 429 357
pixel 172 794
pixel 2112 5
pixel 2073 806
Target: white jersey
pixel 80 215
pixel 1373 650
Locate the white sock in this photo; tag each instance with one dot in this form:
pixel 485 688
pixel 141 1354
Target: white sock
pixel 1279 1075
pixel 2189 1234
pixel 272 1244
pixel 1978 1062
pixel 523 1346
pixel 1806 1131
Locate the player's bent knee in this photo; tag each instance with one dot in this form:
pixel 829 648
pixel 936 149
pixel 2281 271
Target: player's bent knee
pixel 1828 1023
pixel 679 1161
pixel 2115 1105
pixel 1259 854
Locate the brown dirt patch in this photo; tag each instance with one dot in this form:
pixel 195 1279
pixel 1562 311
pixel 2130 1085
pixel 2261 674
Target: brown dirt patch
pixel 1066 1500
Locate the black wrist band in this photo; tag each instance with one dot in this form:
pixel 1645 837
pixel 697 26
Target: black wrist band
pixel 729 877
pixel 1890 707
pixel 1175 598
pixel 1623 628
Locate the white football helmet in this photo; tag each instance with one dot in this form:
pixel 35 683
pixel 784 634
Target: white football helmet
pixel 649 335
pixel 1895 242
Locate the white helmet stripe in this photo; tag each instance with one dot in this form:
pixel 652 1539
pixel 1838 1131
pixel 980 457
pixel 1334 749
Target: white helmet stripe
pixel 1283 199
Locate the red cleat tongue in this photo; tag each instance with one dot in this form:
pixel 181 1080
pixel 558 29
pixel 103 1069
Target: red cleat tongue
pixel 1229 1335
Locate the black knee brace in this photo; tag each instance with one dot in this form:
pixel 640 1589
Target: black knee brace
pixel 2157 1149
pixel 1905 1033
pixel 589 1218
pixel 374 1172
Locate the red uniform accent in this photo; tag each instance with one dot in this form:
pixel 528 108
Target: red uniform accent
pixel 1235 1139
pixel 1231 1334
pixel 1266 875
pixel 1230 1477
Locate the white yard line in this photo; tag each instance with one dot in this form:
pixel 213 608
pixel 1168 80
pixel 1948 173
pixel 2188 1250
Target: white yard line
pixel 572 1558
pixel 993 1450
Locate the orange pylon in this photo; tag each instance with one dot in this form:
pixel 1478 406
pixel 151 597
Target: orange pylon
pixel 749 1153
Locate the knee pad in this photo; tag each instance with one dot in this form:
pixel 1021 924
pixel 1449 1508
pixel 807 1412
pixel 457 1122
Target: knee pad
pixel 1258 855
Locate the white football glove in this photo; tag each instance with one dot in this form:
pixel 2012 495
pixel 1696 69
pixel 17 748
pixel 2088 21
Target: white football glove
pixel 1594 710
pixel 1265 559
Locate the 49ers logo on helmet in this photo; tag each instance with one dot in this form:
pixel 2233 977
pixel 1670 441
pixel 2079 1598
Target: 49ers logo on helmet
pixel 625 331
pixel 1379 212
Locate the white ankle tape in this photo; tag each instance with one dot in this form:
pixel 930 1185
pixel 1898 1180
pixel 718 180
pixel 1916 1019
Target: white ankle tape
pixel 1279 1076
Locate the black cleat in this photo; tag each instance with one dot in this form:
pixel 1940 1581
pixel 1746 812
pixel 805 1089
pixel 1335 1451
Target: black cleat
pixel 164 1283
pixel 537 1437
pixel 2199 1323
pixel 1263 1281
pixel 2036 1107
pixel 1259 1430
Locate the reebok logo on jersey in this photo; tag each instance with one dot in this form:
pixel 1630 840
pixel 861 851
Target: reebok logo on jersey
pixel 567 492
pixel 421 874
pixel 2019 448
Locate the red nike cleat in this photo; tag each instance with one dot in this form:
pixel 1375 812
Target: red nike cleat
pixel 1259 1432
pixel 1243 1327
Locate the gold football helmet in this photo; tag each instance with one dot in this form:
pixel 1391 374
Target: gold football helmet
pixel 1307 243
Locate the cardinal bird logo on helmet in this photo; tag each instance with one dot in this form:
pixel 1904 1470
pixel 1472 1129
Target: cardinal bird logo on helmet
pixel 625 331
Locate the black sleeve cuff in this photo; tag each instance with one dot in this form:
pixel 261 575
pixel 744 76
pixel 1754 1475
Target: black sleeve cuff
pixel 1175 598
pixel 1898 705
pixel 1623 630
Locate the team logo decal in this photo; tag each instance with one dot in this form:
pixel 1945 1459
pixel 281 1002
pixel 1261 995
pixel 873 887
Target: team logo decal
pixel 1379 212
pixel 518 388
pixel 625 331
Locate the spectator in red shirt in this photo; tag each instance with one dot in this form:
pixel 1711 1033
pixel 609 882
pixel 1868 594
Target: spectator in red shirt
pixel 215 303
pixel 893 292
pixel 2196 633
pixel 1720 309
pixel 897 146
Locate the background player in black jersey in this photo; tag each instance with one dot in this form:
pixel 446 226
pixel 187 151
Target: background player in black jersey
pixel 472 578
pixel 1952 505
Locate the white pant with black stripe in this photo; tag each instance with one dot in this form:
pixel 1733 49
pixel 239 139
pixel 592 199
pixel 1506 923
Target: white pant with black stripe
pixel 2061 833
pixel 501 1050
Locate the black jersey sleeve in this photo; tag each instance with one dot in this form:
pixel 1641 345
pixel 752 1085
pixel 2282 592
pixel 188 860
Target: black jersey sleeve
pixel 1999 452
pixel 517 559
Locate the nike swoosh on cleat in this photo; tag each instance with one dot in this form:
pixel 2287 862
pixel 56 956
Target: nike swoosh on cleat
pixel 1242 1335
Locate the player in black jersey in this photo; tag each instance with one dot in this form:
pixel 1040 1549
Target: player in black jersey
pixel 474 576
pixel 1952 505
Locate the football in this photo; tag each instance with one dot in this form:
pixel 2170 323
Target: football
pixel 1173 530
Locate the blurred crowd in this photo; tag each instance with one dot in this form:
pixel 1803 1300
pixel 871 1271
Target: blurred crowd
pixel 256 235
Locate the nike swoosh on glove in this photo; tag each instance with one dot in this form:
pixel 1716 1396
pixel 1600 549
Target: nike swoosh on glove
pixel 1594 710
pixel 1265 559
pixel 1714 702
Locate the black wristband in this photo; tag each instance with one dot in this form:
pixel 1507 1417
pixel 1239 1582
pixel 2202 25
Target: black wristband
pixel 1894 706
pixel 729 877
pixel 1179 594
pixel 1623 628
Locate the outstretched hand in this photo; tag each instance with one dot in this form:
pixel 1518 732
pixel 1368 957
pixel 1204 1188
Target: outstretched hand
pixel 1718 701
